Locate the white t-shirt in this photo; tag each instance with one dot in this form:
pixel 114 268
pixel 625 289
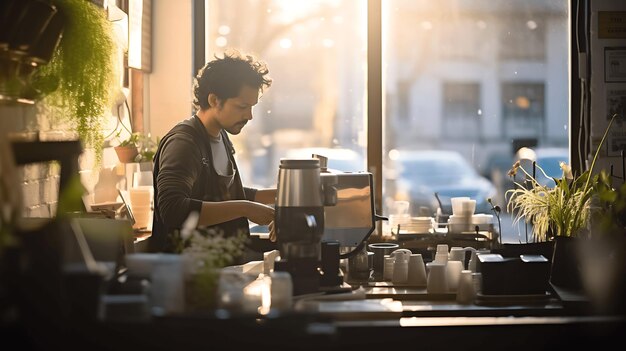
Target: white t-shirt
pixel 221 161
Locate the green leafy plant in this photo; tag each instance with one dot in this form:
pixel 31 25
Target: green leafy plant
pixel 559 211
pixel 133 140
pixel 144 144
pixel 611 202
pixel 80 80
pixel 208 250
pixel 148 148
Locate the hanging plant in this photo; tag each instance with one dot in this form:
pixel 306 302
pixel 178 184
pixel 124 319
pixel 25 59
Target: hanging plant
pixel 80 80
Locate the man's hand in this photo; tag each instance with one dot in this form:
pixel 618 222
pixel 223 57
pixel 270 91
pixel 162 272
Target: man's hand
pixel 259 213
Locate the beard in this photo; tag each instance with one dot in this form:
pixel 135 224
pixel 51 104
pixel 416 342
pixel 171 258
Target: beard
pixel 236 128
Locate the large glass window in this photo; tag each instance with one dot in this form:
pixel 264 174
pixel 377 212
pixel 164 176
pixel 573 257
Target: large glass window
pixel 316 53
pixel 461 110
pixel 477 80
pixel 523 109
pixel 523 37
pixel 468 82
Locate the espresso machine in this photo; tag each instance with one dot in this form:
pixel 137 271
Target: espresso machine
pixel 302 193
pixel 322 216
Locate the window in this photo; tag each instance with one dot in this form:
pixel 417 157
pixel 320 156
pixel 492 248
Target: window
pixel 454 44
pixel 479 77
pixel 523 37
pixel 450 69
pixel 523 108
pixel 316 54
pixel 461 110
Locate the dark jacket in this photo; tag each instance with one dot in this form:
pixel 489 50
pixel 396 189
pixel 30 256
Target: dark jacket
pixel 184 177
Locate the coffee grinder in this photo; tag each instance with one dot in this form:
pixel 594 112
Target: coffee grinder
pixel 302 193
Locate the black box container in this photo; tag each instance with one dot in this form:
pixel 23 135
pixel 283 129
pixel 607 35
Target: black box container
pixel 523 275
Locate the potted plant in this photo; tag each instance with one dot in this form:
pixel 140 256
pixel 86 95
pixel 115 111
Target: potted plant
pixel 148 148
pixel 562 210
pixel 205 252
pixel 558 213
pixel 79 82
pixel 128 149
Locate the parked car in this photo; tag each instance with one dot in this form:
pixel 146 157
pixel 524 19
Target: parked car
pixel 421 174
pixel 549 159
pixel 499 164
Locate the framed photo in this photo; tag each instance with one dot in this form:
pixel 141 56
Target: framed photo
pixel 615 64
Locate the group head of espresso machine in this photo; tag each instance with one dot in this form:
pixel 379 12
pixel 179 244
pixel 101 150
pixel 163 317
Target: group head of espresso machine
pixel 320 213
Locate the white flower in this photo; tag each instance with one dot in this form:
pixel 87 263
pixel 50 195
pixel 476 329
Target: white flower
pixel 567 170
pixel 212 248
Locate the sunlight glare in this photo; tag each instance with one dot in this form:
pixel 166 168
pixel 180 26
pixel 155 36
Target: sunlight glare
pixel 285 43
pixel 221 42
pixel 223 30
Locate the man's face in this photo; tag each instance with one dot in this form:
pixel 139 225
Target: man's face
pixel 233 114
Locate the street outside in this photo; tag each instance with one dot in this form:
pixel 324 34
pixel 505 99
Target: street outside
pixel 513 234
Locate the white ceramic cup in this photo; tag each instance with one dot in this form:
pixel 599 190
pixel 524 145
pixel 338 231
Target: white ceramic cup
pixel 388 270
pixel 281 290
pixel 457 254
pixel 417 271
pixel 453 274
pixel 436 283
pixel 468 207
pixel 465 292
pixel 400 273
pixel 457 204
pixel 441 257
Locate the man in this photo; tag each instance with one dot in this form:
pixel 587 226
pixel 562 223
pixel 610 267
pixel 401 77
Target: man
pixel 194 167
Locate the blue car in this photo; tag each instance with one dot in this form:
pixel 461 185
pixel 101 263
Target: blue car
pixel 421 174
pixel 549 159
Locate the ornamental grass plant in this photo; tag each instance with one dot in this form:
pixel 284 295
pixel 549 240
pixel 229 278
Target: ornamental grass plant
pixel 561 210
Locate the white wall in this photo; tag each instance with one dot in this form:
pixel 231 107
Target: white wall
pixel 599 88
pixel 168 86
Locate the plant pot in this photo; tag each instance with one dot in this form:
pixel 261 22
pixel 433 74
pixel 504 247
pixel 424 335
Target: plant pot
pixel 126 154
pixel 201 291
pixel 145 166
pixel 565 271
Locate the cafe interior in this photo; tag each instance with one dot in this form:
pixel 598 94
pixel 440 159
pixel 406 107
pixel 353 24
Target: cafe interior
pixel 448 174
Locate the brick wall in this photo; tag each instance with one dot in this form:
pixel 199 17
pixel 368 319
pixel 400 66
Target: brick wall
pixel 38 182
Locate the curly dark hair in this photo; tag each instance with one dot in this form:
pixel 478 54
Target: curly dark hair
pixel 224 77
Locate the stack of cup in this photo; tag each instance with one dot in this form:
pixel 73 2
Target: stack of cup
pixel 437 282
pixel 417 271
pixel 400 274
pixel 422 224
pixel 453 274
pixel 466 291
pixel 441 256
pixel 462 211
pixel 141 205
pixel 400 216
